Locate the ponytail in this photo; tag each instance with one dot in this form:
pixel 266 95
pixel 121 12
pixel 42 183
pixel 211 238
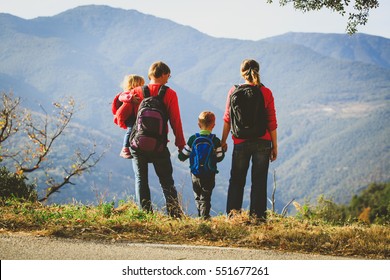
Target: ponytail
pixel 250 71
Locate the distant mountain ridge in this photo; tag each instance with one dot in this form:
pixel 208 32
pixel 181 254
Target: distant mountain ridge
pixel 331 91
pixel 359 47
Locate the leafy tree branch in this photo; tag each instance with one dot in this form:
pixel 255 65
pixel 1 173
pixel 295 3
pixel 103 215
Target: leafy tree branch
pixel 358 10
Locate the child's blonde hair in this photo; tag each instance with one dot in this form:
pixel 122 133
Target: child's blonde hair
pixel 206 119
pixel 131 81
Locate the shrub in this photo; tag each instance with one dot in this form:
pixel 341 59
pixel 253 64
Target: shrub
pixel 14 185
pixel 329 211
pixel 325 210
pixel 107 209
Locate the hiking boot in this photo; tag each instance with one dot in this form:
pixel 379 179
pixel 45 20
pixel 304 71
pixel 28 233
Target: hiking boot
pixel 125 153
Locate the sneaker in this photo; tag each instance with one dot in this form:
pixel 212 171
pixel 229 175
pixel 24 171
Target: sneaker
pixel 125 153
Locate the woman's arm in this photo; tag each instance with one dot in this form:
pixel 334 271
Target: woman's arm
pixel 274 139
pixel 225 133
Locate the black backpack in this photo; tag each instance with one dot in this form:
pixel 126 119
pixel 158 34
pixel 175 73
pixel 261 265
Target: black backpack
pixel 247 112
pixel 149 133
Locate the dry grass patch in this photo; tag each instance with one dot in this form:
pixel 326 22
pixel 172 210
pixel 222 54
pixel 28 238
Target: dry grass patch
pixel 128 223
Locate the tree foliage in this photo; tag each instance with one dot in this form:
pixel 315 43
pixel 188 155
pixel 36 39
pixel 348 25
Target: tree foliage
pixel 373 204
pixel 358 10
pixel 14 185
pixel 36 135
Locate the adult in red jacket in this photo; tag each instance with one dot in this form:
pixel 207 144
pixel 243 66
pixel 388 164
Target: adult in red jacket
pixel 158 75
pixel 261 150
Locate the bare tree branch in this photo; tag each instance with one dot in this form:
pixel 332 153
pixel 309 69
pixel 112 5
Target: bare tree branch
pixel 82 164
pixel 284 210
pixel 43 137
pixel 272 200
pixel 42 131
pixel 9 117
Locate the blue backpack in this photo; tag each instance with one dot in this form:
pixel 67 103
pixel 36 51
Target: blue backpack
pixel 202 157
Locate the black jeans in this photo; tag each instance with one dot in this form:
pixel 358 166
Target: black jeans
pixel 203 187
pixel 163 167
pixel 259 151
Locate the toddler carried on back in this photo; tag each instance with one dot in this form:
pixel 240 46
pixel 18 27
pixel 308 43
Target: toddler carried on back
pixel 124 109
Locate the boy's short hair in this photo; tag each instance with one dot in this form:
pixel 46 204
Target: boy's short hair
pixel 206 118
pixel 158 69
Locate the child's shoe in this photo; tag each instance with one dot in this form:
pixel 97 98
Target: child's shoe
pixel 125 153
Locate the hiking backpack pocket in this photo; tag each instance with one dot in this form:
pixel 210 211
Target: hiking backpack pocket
pixel 149 133
pixel 202 157
pixel 247 112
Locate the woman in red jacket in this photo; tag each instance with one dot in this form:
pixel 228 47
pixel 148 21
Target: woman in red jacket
pixel 261 149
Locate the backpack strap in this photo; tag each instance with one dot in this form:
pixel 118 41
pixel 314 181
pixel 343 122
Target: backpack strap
pixel 162 91
pixel 211 136
pixel 145 91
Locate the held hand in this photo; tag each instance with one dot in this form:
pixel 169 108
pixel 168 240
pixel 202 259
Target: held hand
pixel 224 146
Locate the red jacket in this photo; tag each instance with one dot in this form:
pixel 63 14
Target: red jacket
pixel 269 107
pixel 172 104
pixel 125 110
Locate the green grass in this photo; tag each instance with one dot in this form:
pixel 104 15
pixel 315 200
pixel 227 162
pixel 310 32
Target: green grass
pixel 128 223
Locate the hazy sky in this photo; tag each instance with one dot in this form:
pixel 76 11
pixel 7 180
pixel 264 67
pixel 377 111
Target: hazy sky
pixel 241 19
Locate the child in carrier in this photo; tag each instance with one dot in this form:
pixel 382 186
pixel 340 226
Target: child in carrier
pixel 204 150
pixel 123 109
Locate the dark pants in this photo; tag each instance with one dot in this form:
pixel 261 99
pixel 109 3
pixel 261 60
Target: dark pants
pixel 163 167
pixel 203 187
pixel 259 152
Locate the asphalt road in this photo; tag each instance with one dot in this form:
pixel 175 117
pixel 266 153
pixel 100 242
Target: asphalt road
pixel 27 247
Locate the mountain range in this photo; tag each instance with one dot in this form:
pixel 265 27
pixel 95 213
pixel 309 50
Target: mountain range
pixel 331 92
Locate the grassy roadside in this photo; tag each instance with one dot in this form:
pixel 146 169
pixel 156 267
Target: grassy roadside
pixel 127 223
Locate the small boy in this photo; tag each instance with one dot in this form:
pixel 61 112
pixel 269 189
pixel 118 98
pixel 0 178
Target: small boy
pixel 204 150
